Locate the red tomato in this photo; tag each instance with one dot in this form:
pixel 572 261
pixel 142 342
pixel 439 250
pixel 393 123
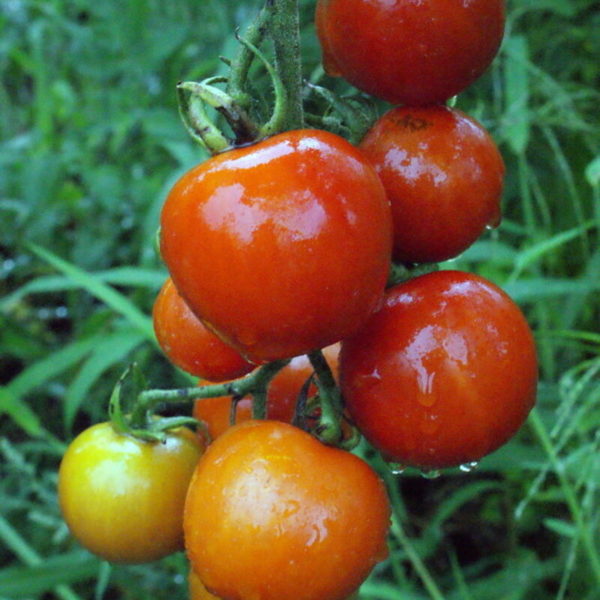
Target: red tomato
pixel 444 374
pixel 409 52
pixel 281 396
pixel 443 175
pixel 123 498
pixel 282 247
pixel 189 344
pixel 272 513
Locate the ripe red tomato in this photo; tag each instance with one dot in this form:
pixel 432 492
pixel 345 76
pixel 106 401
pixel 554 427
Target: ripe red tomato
pixel 443 175
pixel 282 395
pixel 272 513
pixel 409 52
pixel 189 344
pixel 123 498
pixel 443 374
pixel 281 247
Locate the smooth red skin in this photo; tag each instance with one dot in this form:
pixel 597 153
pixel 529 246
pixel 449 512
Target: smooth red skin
pixel 282 395
pixel 443 176
pixel 282 247
pixel 189 344
pixel 271 513
pixel 444 374
pixel 414 52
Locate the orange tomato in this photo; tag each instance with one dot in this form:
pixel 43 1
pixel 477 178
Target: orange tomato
pixel 272 513
pixel 189 344
pixel 281 247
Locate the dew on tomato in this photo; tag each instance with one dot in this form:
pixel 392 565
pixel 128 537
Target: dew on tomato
pixel 282 247
pixel 443 374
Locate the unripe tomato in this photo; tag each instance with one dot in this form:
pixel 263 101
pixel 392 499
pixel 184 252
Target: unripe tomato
pixel 189 344
pixel 282 394
pixel 281 247
pixel 123 498
pixel 443 175
pixel 443 374
pixel 409 52
pixel 272 513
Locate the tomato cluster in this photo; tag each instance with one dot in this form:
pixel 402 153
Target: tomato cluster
pixel 283 248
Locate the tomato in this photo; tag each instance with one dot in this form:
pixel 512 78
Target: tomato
pixel 189 344
pixel 282 247
pixel 282 395
pixel 444 374
pixel 409 52
pixel 197 589
pixel 123 498
pixel 443 175
pixel 272 513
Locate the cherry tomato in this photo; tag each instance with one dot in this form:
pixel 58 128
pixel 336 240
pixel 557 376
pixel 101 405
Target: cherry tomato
pixel 282 395
pixel 443 175
pixel 123 498
pixel 281 247
pixel 409 52
pixel 444 374
pixel 189 344
pixel 272 513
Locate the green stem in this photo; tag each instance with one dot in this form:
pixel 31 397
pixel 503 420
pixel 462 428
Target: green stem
pixel 253 384
pixel 285 32
pixel 569 493
pixel 330 400
pixel 240 65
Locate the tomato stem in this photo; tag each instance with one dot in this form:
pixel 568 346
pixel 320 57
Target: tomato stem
pixel 329 429
pixel 285 32
pixel 253 383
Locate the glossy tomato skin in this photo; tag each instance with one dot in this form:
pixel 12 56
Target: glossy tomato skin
pixel 316 516
pixel 282 394
pixel 407 52
pixel 443 175
pixel 123 498
pixel 444 374
pixel 281 247
pixel 189 344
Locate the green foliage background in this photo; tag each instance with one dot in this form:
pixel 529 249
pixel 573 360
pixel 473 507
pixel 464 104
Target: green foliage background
pixel 90 141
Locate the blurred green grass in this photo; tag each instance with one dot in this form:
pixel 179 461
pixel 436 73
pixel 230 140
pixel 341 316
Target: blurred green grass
pixel 90 142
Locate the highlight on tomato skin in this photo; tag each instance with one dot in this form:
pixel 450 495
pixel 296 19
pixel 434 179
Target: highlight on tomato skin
pixel 189 344
pixel 443 175
pixel 281 247
pixel 282 395
pixel 443 374
pixel 406 52
pixel 317 516
pixel 123 498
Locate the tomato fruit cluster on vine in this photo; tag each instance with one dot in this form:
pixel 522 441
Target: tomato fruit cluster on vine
pixel 283 248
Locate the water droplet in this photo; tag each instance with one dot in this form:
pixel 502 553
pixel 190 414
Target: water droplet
pixel 396 468
pixel 430 473
pixel 468 467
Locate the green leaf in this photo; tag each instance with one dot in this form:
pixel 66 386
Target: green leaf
pixel 592 172
pixel 20 413
pixel 100 290
pixel 109 351
pixel 516 81
pixel 20 582
pixel 561 527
